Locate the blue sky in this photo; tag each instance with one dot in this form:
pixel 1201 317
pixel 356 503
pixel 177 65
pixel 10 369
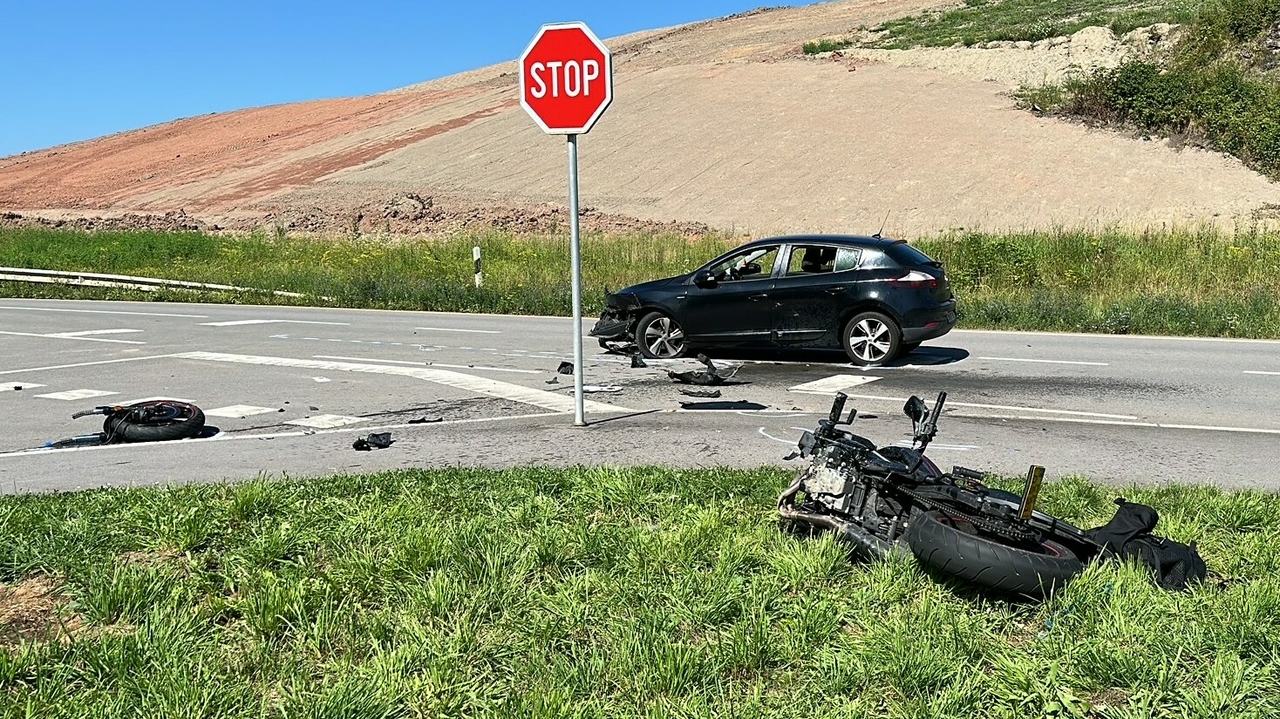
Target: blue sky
pixel 75 69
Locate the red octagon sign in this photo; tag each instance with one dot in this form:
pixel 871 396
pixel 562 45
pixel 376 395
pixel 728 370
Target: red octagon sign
pixel 566 78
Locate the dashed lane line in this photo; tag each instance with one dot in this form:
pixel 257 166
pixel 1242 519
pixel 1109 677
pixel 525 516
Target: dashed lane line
pixel 326 421
pixel 1045 361
pixel 239 411
pixel 459 329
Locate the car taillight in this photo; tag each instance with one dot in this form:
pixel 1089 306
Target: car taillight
pixel 915 278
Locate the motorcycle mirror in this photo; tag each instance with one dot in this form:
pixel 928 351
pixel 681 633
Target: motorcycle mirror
pixel 915 409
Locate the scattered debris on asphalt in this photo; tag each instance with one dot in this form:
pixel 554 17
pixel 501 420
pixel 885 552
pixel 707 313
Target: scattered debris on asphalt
pixel 637 362
pixel 426 420
pixel 740 404
pixel 710 376
pixel 313 408
pixel 565 368
pixel 377 440
pixel 554 380
pixel 703 393
pixel 322 379
pixel 593 388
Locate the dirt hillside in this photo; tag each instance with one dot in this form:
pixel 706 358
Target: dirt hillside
pixel 723 123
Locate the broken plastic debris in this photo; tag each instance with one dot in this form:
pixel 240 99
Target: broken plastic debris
pixel 426 420
pixel 321 379
pixel 591 388
pixel 554 380
pixel 565 368
pixel 377 440
pixel 704 393
pixel 637 361
pixel 710 376
pixel 741 404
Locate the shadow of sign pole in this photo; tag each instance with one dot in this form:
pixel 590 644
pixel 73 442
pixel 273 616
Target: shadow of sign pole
pixel 566 82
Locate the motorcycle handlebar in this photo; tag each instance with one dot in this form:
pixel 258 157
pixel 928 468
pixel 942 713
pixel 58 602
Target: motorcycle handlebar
pixel 937 409
pixel 837 407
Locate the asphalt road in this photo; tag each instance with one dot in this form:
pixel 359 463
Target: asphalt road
pixel 289 389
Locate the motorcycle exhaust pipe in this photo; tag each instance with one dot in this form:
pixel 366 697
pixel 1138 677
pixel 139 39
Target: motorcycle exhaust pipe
pixel 864 544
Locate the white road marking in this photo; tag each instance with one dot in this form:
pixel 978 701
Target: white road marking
pixel 154 399
pixel 834 383
pixel 229 437
pixel 87 339
pixel 17 386
pixel 83 364
pixel 1045 361
pixel 103 312
pixel 1254 371
pixel 238 411
pixel 88 333
pixel 1004 407
pixel 935 445
pixel 457 380
pixel 765 434
pixel 430 364
pixel 74 394
pixel 1156 425
pixel 236 323
pixel 458 329
pixel 326 421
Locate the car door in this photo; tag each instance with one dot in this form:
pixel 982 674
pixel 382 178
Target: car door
pixel 810 292
pixel 737 309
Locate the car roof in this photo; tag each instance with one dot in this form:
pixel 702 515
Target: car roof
pixel 862 241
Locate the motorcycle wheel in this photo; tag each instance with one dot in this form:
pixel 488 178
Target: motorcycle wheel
pixel 954 547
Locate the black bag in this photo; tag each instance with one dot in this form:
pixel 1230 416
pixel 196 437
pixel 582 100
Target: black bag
pixel 1174 565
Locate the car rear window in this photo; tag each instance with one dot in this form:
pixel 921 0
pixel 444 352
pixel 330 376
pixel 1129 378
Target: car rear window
pixel 907 256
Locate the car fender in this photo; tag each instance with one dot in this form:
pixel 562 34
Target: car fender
pixel 868 305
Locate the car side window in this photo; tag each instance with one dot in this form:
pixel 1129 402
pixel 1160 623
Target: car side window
pixel 818 259
pixel 754 264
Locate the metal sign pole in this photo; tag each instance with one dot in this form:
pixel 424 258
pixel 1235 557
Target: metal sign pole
pixel 575 255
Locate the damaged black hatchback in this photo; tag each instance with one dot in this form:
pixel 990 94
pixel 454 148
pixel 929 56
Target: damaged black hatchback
pixel 876 299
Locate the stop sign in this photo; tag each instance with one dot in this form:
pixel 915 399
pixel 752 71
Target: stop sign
pixel 566 78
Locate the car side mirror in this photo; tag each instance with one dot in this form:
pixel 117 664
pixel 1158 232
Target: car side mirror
pixel 705 280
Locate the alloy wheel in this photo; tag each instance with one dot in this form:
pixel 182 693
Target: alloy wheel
pixel 664 338
pixel 871 340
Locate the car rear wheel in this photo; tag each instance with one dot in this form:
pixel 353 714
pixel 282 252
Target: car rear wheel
pixel 660 337
pixel 872 339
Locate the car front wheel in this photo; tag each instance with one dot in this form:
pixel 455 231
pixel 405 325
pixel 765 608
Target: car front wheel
pixel 871 339
pixel 660 337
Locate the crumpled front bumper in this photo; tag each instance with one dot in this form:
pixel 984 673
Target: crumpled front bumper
pixel 615 323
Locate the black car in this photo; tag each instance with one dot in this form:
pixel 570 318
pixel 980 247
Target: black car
pixel 875 298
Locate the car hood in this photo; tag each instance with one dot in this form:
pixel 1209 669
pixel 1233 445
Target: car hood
pixel 645 287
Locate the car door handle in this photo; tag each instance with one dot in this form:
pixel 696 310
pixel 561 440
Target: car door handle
pixel 756 298
pixel 834 290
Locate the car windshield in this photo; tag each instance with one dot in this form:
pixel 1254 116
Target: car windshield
pixel 749 264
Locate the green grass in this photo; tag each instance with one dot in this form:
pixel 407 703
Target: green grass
pixel 826 45
pixel 641 592
pixel 1178 282
pixel 980 21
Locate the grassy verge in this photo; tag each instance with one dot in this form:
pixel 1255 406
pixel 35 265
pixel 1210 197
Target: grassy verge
pixel 635 592
pixel 979 21
pixel 1192 283
pixel 825 45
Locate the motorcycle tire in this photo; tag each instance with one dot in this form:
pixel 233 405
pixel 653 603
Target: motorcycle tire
pixel 187 421
pixel 953 547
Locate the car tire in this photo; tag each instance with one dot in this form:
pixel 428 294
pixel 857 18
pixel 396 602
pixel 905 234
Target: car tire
pixel 660 337
pixel 871 339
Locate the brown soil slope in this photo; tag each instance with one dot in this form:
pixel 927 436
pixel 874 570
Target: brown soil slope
pixel 723 122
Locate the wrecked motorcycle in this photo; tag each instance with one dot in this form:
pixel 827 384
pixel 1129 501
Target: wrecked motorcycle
pixel 150 421
pixel 893 498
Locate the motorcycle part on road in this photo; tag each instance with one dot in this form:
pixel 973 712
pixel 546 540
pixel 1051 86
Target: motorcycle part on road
pixel 155 421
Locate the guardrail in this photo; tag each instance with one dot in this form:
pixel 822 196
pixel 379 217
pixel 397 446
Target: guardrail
pixel 146 284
